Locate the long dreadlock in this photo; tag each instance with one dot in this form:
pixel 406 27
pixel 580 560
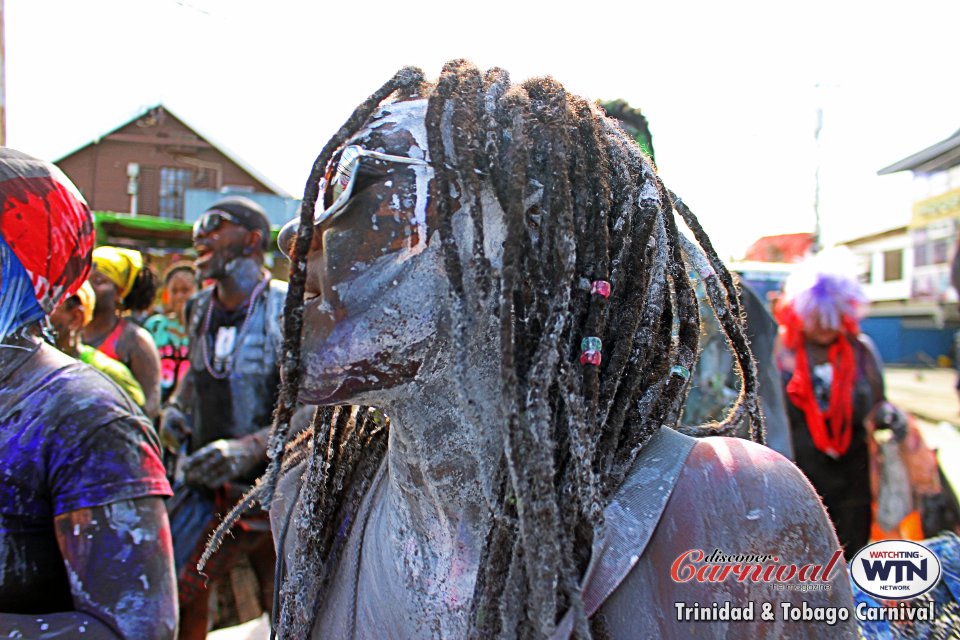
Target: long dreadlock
pixel 582 203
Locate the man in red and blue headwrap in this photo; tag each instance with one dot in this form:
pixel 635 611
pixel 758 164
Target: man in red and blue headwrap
pixel 85 545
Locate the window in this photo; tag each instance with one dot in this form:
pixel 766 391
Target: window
pixel 921 255
pixel 940 251
pixel 173 185
pixel 864 268
pixel 893 265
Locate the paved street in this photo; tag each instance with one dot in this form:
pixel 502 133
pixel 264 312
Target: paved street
pixel 929 394
pixel 258 629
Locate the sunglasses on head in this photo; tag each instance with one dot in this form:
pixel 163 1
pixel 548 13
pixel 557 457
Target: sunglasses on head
pixel 337 185
pixel 210 221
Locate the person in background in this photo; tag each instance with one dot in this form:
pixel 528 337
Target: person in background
pixel 68 321
pixel 219 416
pixel 833 382
pixel 169 329
pixel 124 284
pixel 85 547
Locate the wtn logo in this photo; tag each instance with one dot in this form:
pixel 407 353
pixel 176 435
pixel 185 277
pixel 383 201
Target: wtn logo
pixel 895 569
pixel 903 570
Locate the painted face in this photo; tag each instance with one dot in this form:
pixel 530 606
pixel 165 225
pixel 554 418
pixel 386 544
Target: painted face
pixel 375 286
pixel 217 247
pixel 179 289
pixel 821 335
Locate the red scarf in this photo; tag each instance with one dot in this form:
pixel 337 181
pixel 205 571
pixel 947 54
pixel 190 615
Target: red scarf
pixel 831 433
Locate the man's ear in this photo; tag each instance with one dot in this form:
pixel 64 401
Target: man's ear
pixel 254 241
pixel 76 318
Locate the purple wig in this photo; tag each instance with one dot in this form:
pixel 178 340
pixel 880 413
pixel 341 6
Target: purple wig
pixel 824 290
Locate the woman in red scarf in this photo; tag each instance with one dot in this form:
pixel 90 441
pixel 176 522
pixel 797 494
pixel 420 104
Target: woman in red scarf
pixel 834 386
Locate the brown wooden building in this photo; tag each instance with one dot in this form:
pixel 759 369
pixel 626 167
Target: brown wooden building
pixel 146 165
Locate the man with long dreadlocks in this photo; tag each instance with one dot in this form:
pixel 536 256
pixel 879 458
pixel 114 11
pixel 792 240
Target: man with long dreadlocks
pixel 497 268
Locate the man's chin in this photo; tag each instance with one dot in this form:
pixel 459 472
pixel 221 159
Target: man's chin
pixel 363 383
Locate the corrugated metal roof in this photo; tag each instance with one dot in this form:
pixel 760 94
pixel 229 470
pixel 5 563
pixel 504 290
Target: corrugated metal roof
pixel 786 247
pixel 943 155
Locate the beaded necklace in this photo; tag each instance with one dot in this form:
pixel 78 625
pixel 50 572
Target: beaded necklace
pixel 204 331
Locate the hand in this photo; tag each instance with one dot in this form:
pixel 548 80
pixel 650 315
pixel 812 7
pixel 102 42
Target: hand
pixel 174 429
pixel 221 461
pixel 888 416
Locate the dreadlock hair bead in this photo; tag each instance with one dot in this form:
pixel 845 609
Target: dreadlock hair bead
pixel 680 371
pixel 600 288
pixel 590 357
pixel 591 343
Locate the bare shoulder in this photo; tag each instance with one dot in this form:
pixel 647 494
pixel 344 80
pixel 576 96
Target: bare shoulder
pixel 734 498
pixel 745 469
pixel 138 337
pixel 737 489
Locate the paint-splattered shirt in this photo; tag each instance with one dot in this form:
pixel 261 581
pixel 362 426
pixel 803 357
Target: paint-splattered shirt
pixel 69 440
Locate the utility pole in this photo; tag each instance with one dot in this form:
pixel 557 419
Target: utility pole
pixel 815 247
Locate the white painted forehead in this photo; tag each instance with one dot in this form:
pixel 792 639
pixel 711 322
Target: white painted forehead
pixel 409 115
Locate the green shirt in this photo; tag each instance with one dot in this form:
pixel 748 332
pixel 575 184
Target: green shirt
pixel 116 371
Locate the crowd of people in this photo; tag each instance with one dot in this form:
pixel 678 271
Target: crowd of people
pixel 461 418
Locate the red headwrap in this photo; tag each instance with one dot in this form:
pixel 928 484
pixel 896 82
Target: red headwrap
pixel 47 224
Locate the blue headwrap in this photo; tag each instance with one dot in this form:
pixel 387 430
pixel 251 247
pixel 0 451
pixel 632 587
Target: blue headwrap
pixel 18 302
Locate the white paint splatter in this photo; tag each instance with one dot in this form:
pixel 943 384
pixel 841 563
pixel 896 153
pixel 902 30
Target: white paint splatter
pixel 123 518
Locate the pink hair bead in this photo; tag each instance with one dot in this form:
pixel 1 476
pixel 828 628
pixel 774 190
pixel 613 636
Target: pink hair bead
pixel 600 288
pixel 590 357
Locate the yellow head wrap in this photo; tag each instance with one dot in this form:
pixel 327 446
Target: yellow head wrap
pixel 88 300
pixel 120 265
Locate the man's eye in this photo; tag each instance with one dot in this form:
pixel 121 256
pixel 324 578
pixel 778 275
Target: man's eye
pixel 367 174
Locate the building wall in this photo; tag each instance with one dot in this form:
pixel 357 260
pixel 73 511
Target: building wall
pixel 878 259
pixel 161 145
pixel 911 341
pixel 279 210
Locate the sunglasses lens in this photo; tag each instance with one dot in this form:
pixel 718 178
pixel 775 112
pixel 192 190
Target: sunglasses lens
pixel 286 235
pixel 340 175
pixel 207 223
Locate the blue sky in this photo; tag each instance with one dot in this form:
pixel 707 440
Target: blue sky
pixel 730 89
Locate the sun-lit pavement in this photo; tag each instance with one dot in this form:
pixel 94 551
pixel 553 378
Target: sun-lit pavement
pixel 929 394
pixel 258 629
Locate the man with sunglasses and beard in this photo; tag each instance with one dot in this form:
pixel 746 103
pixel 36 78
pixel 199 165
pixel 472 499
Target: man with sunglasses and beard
pixel 218 418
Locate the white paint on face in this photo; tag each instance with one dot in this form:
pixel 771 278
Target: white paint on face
pixel 410 116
